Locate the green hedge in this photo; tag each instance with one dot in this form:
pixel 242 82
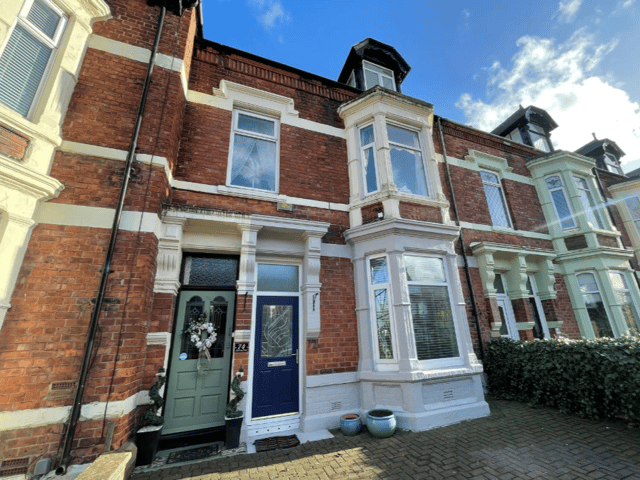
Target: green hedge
pixel 590 378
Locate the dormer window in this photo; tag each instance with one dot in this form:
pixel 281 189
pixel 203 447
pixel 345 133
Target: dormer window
pixel 375 75
pixel 611 162
pixel 515 135
pixel 538 137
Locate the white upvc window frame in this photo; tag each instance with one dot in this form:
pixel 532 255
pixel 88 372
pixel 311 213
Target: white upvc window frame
pixel 627 291
pixel 419 150
pixel 275 139
pixel 445 361
pixel 52 43
pixel 363 149
pixel 366 66
pixel 561 188
pixel 539 308
pixel 505 206
pixel 599 292
pixel 588 202
pixel 372 288
pixel 538 137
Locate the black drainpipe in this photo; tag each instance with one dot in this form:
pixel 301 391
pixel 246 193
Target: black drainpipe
pixel 474 305
pixel 106 269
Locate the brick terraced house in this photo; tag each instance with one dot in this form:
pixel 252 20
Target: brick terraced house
pixel 350 248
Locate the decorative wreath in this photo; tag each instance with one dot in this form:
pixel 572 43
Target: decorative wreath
pixel 195 330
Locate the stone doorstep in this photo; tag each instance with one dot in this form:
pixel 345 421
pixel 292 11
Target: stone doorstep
pixel 112 465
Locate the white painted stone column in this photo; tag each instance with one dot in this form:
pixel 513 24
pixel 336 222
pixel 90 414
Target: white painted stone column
pixel 15 232
pixel 247 275
pixel 311 283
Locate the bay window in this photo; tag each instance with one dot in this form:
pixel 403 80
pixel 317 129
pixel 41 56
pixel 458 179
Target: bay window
pixel 254 152
pixel 368 156
pixel 406 160
pixel 588 204
pixel 431 312
pixel 28 53
pixel 594 305
pixel 379 294
pixel 633 204
pixel 623 297
pixel 560 203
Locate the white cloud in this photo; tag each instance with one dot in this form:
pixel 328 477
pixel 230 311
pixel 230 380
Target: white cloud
pixel 568 10
pixel 274 14
pixel 560 79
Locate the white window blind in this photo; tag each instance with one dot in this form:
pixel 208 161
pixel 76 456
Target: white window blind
pixel 431 313
pixel 27 53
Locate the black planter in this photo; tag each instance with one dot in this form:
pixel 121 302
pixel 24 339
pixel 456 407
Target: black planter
pixel 233 426
pixel 147 440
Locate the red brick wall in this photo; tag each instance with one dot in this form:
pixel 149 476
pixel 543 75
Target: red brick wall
pixel 425 213
pixel 314 99
pixel 96 182
pixel 564 310
pixel 370 212
pixel 12 143
pixel 525 208
pixel 337 348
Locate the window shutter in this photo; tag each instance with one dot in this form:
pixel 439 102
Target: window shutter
pixel 22 66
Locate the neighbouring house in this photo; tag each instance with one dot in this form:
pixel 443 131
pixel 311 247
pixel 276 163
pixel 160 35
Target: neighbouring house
pixel 350 248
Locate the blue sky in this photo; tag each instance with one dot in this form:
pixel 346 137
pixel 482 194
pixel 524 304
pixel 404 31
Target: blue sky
pixel 475 61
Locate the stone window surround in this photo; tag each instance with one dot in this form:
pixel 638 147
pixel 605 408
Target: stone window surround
pixel 377 107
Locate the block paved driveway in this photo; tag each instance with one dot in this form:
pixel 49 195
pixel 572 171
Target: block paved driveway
pixel 515 442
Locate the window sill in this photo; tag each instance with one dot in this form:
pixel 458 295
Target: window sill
pixel 249 193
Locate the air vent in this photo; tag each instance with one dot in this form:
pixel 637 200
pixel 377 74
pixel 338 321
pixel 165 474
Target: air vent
pixel 336 406
pixel 15 466
pixel 62 386
pixel 448 394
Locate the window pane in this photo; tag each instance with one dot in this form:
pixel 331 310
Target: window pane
pixel 403 136
pixel 370 170
pixel 22 66
pixel 277 331
pixel 623 298
pixel 424 269
pixel 587 202
pixel 256 125
pixel 408 171
pixel 593 303
pixel 489 177
pixel 539 142
pixel 383 324
pixel 433 322
pixel 210 271
pixel 254 163
pixel 515 136
pixel 277 278
pixel 44 17
pixel 379 272
pixel 366 136
pixel 497 208
pixel 553 182
pixel 371 78
pixel 562 207
pixel 387 83
pixel 497 283
pixel 633 204
pixel 504 328
pixel 587 282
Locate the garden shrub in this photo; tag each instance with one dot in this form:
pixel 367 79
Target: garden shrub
pixel 590 378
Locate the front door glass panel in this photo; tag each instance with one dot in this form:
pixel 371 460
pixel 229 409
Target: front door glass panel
pixel 277 325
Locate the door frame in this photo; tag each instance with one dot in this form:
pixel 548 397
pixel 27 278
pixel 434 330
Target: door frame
pixel 182 288
pixel 301 345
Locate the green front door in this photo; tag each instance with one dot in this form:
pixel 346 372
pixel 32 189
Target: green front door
pixel 198 387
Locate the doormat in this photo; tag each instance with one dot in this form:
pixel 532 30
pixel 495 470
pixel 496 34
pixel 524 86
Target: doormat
pixel 276 443
pixel 192 454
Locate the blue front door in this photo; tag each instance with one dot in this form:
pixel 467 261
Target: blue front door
pixel 275 374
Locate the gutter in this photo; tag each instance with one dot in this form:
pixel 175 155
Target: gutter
pixel 106 269
pixel 474 304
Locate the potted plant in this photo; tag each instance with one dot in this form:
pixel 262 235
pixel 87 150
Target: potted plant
pixel 381 422
pixel 148 437
pixel 234 417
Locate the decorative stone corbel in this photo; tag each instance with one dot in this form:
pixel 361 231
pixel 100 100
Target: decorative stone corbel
pixel 169 256
pixel 311 285
pixel 517 278
pixel 545 280
pixel 486 265
pixel 247 275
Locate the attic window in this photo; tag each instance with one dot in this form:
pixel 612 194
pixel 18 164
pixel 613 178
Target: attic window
pixel 375 75
pixel 612 164
pixel 515 135
pixel 538 137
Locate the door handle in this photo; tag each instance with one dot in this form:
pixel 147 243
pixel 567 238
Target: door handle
pixel 296 355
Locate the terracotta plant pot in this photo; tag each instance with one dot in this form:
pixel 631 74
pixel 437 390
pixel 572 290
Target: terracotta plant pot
pixel 381 423
pixel 350 424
